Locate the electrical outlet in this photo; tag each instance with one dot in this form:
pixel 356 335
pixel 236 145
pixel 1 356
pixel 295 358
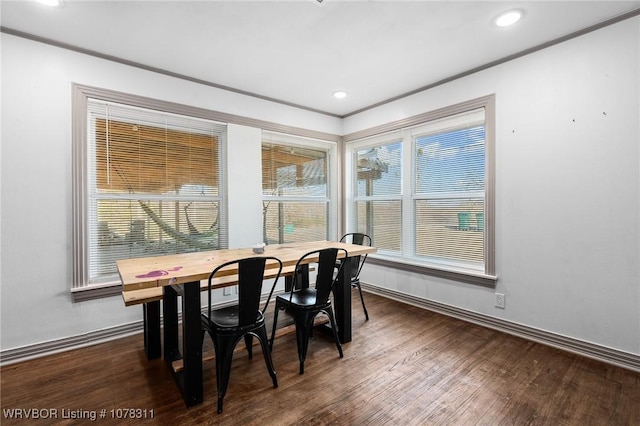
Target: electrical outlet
pixel 499 300
pixel 226 291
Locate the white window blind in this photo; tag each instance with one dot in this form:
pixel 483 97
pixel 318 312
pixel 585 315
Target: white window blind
pixel 378 194
pixel 154 185
pixel 296 190
pixel 449 189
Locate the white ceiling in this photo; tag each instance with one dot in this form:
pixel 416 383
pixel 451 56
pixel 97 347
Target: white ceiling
pixel 301 51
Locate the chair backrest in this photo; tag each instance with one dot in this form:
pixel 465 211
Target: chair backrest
pixel 325 271
pixel 356 261
pixel 250 279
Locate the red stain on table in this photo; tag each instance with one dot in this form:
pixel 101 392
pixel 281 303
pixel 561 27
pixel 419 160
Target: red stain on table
pixel 158 273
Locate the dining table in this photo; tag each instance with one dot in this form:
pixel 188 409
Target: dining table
pixel 180 275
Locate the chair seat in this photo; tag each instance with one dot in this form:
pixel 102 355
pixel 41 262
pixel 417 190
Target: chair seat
pixel 300 298
pixel 227 318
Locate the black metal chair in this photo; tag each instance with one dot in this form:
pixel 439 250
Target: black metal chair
pixel 228 325
pixel 357 262
pixel 305 303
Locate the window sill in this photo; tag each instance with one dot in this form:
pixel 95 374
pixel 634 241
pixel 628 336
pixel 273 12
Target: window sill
pixel 102 291
pixel 468 277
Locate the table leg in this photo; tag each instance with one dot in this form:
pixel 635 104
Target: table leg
pixel 151 320
pixel 342 302
pixel 303 278
pixel 189 380
pixel 170 321
pixel 192 344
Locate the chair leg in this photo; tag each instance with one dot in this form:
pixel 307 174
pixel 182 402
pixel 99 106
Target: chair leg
pixel 304 324
pixel 366 314
pixel 223 346
pixel 334 328
pixel 275 323
pixel 261 334
pixel 248 341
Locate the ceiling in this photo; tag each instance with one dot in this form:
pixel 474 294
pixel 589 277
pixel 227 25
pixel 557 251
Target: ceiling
pixel 301 51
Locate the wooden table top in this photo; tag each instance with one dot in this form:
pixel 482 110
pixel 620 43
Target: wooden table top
pixel 146 272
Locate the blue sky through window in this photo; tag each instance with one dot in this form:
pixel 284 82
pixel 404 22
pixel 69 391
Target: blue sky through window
pixel 453 161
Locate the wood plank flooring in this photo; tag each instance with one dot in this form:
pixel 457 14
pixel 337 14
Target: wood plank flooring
pixel 406 366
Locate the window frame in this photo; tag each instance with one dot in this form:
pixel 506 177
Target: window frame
pixel 81 289
pixel 402 130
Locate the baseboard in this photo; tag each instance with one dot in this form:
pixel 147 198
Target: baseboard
pixel 590 350
pixel 37 350
pixel 601 353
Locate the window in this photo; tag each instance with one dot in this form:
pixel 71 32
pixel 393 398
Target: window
pixel 152 185
pixel 379 194
pixel 424 192
pixel 449 182
pixel 298 202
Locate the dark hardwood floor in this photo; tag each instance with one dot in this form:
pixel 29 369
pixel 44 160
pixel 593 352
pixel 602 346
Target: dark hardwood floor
pixel 406 366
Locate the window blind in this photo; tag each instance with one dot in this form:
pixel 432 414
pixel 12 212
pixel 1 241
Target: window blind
pixel 378 194
pixel 155 185
pixel 449 189
pixel 295 183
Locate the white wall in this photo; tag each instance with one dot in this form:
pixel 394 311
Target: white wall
pixel 567 188
pixel 568 193
pixel 245 185
pixel 36 267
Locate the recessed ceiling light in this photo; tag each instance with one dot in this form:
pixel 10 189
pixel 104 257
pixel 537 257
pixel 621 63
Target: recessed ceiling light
pixel 340 95
pixel 508 18
pixel 49 2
